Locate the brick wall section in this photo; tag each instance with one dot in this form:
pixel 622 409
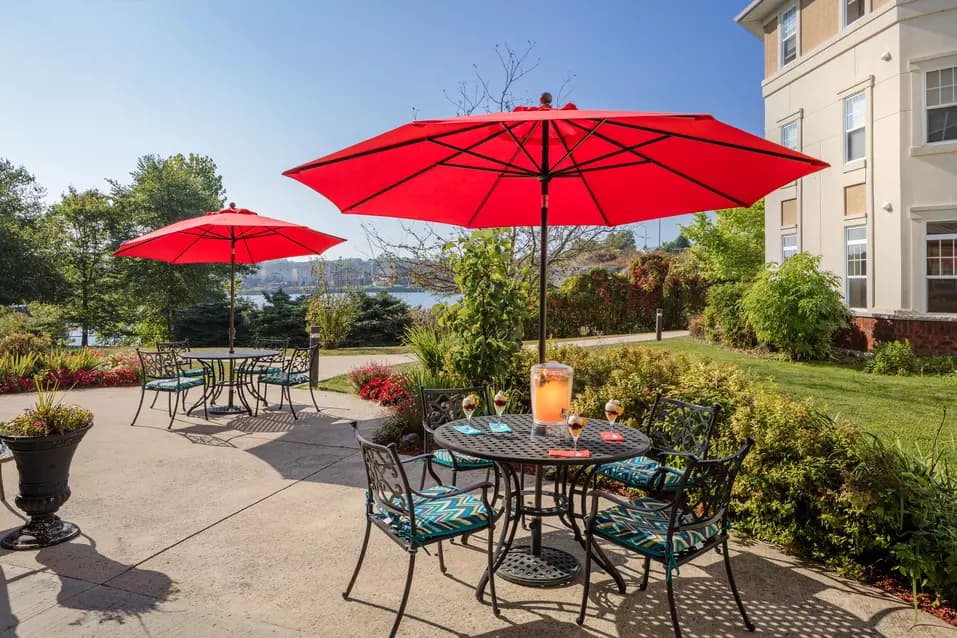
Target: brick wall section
pixel 927 335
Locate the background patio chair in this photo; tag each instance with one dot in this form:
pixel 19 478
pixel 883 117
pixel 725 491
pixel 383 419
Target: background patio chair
pixel 695 521
pixel 185 365
pixel 677 429
pixel 414 519
pixel 439 406
pixel 295 371
pixel 159 372
pixel 266 365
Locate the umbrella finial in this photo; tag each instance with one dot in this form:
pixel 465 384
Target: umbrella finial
pixel 546 99
pixel 232 204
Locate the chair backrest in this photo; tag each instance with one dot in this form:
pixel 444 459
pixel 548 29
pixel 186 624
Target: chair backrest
pixel 441 405
pixel 676 426
pixel 387 481
pixel 279 345
pixel 158 365
pixel 300 361
pixel 176 347
pixel 704 492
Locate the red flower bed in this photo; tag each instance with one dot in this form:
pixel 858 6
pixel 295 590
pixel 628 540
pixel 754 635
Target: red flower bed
pixel 390 391
pixel 71 379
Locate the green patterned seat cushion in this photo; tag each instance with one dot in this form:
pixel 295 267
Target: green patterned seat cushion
pixel 192 372
pixel 286 378
pixel 175 385
pixel 440 517
pixel 444 457
pixel 264 370
pixel 642 473
pixel 646 531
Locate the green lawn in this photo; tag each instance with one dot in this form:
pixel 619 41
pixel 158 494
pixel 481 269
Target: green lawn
pixel 338 352
pixel 891 407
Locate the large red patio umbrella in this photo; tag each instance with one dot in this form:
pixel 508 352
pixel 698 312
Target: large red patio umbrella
pixel 229 236
pixel 544 166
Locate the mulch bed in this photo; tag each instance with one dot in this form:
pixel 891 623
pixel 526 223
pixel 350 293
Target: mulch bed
pixel 898 588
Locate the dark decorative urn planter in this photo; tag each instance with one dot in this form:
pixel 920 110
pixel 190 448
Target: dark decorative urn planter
pixel 44 466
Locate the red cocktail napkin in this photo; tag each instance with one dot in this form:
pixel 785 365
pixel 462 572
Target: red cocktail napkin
pixel 580 454
pixel 612 436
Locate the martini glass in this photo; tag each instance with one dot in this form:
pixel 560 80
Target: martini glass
pixel 613 410
pixel 469 403
pixel 576 424
pixel 500 402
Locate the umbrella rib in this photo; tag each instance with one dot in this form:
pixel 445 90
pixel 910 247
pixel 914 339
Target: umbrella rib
pixel 198 239
pixel 478 155
pixel 491 170
pixel 622 149
pixel 581 175
pixel 569 151
pixel 521 146
pixel 740 147
pixel 419 172
pixel 311 250
pixel 675 171
pixel 578 170
pixel 389 147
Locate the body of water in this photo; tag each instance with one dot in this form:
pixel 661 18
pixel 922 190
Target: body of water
pixel 417 298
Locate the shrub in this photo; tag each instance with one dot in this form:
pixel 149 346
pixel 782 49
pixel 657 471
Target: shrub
pixel 390 391
pixel 794 307
pixel 14 322
pixel 430 344
pixel 358 377
pixel 724 319
pixel 893 357
pixel 19 365
pixel 333 312
pixel 698 327
pixel 281 317
pixel 379 320
pixel 24 343
pixel 405 419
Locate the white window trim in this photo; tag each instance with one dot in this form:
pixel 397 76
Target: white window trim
pixel 847 131
pixel 844 22
pixel 920 67
pixel 925 110
pixel 847 277
pixel 797 34
pixel 927 237
pixel 797 134
pixel 797 248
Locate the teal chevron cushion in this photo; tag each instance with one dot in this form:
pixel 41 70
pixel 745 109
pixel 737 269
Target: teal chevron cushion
pixel 440 517
pixel 444 457
pixel 641 472
pixel 175 385
pixel 286 378
pixel 646 531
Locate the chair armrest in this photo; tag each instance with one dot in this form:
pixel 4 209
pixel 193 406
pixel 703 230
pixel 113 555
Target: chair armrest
pixel 484 485
pixel 417 458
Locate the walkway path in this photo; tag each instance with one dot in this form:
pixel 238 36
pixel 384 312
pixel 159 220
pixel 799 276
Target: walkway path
pixel 251 527
pixel 333 366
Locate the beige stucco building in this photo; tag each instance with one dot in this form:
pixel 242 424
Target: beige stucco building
pixel 869 86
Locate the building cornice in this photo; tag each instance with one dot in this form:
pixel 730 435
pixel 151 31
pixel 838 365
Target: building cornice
pixel 756 15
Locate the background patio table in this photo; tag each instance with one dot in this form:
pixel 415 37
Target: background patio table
pixel 221 366
pixel 533 564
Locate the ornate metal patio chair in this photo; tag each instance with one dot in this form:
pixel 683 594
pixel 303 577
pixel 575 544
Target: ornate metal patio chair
pixel 415 519
pixel 671 533
pixel 295 371
pixel 185 365
pixel 439 406
pixel 160 372
pixel 677 430
pixel 266 365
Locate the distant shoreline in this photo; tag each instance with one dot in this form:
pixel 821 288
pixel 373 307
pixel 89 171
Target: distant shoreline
pixel 307 290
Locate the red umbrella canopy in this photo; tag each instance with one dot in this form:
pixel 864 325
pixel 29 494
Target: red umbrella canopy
pixel 207 239
pixel 599 168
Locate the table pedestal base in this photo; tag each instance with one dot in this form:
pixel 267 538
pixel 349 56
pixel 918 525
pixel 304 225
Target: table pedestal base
pixel 553 568
pixel 227 409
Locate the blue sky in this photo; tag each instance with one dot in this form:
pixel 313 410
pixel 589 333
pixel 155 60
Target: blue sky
pixel 263 86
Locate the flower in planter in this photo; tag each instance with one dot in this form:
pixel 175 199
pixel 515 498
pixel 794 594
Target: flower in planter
pixel 48 417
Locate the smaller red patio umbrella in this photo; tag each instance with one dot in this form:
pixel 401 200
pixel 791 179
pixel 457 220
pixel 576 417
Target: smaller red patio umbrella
pixel 229 236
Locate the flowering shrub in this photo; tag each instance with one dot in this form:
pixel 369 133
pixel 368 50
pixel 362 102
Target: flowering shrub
pixel 79 369
pixel 363 374
pixel 389 391
pixel 48 417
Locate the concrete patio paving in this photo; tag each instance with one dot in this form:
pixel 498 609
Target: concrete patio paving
pixel 251 527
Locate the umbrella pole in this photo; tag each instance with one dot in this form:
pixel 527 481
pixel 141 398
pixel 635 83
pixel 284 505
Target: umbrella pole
pixel 542 272
pixel 232 294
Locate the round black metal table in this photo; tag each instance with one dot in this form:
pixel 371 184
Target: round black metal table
pixel 227 370
pixel 534 564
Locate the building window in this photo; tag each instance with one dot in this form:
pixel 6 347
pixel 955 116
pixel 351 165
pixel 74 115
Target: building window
pixel 789 35
pixel 789 136
pixel 789 215
pixel 853 11
pixel 854 118
pixel 856 285
pixel 789 246
pixel 942 105
pixel 941 269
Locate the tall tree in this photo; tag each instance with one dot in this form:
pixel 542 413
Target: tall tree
pixel 731 247
pixel 26 270
pixel 421 251
pixel 89 228
pixel 163 191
